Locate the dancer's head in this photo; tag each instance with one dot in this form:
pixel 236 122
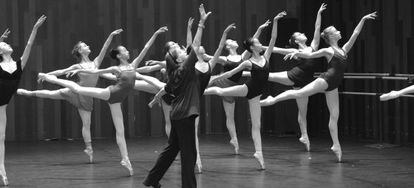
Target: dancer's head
pixel 177 53
pixel 5 49
pixel 119 53
pixel 80 50
pixel 296 39
pixel 231 44
pixel 331 35
pixel 253 45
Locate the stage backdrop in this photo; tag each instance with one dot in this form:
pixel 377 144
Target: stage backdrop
pixel 383 46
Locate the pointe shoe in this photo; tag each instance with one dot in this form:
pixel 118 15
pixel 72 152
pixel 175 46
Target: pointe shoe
pixel 127 164
pixel 389 96
pixel 199 166
pixel 235 145
pixel 260 160
pixel 338 152
pixel 24 92
pixel 89 152
pixel 4 179
pixel 305 140
pixel 267 101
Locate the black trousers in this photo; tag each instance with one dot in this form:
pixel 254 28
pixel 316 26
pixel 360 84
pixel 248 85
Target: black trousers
pixel 182 138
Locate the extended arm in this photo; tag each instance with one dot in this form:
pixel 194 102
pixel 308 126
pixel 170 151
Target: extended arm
pixel 357 30
pixel 221 45
pixel 32 37
pixel 317 33
pixel 100 57
pixel 274 35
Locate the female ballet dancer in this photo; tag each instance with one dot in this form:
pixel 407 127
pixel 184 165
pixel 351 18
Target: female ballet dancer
pixel 329 81
pixel 252 90
pixel 185 86
pixel 302 74
pixel 84 104
pixel 10 75
pixel 114 94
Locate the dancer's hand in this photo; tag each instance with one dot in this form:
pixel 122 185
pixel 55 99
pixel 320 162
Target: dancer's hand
pixel 46 77
pixel 163 70
pixel 290 56
pixel 203 14
pixel 157 98
pixel 190 22
pixel 40 21
pixel 161 30
pixel 72 73
pixel 322 8
pixel 371 16
pixel 116 32
pixel 265 24
pixel 280 15
pixel 230 27
pixel 5 34
pixel 214 79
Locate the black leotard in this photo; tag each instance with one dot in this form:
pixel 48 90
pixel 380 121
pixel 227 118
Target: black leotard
pixel 230 65
pixel 125 84
pixel 336 69
pixel 9 83
pixel 302 74
pixel 259 77
pixel 203 78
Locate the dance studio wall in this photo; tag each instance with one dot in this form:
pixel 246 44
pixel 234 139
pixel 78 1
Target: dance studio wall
pixel 91 21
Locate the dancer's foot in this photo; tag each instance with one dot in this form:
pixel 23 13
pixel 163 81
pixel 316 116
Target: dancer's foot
pixel 389 96
pixel 89 152
pixel 260 160
pixel 267 102
pixel 24 92
pixel 338 152
pixel 127 164
pixel 4 178
pixel 235 144
pixel 199 165
pixel 305 140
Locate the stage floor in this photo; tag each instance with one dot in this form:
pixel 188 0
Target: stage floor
pixel 63 164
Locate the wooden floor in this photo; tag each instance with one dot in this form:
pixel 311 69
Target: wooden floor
pixel 63 164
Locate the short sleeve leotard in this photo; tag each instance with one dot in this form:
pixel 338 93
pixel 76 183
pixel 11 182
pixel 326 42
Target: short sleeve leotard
pixel 124 85
pixel 9 83
pixel 258 80
pixel 86 80
pixel 336 69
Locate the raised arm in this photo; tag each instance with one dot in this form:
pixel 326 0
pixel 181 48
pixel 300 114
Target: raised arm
pixel 100 57
pixel 228 74
pixel 199 33
pixel 29 45
pixel 147 46
pixel 189 34
pixel 348 45
pixel 317 33
pixel 246 54
pixel 216 56
pixel 272 42
pixel 5 35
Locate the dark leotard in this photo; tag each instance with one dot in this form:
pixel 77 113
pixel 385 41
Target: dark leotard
pixel 302 74
pixel 125 84
pixel 336 69
pixel 230 65
pixel 203 78
pixel 258 80
pixel 9 83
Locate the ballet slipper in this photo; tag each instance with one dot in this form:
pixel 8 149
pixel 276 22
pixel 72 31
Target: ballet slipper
pixel 199 165
pixel 260 160
pixel 127 164
pixel 389 96
pixel 4 178
pixel 89 152
pixel 338 152
pixel 305 140
pixel 235 145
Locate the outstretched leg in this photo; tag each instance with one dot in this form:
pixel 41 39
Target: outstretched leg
pixel 118 120
pixel 255 115
pixel 50 94
pixel 231 126
pixel 281 78
pixel 302 112
pixel 318 85
pixel 86 132
pixel 332 100
pixel 3 121
pixel 233 91
pixel 396 94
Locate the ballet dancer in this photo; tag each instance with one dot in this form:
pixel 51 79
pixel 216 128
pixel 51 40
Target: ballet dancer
pixel 253 89
pixel 84 104
pixel 328 81
pixel 10 75
pixel 114 94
